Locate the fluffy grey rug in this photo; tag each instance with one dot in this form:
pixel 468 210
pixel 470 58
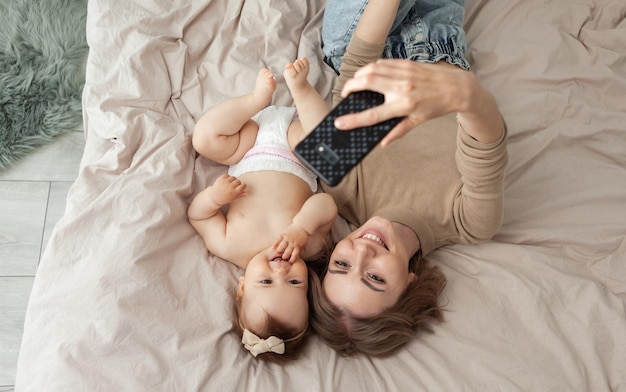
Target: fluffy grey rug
pixel 43 49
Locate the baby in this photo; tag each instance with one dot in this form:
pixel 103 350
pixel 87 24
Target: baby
pixel 275 218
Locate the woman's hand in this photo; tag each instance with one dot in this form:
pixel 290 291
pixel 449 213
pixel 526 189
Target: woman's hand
pixel 420 92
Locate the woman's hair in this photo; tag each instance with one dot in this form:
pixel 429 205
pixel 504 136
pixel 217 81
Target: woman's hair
pixel 272 327
pixel 388 331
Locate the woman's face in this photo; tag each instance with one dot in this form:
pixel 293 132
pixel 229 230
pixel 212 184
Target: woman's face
pixel 368 270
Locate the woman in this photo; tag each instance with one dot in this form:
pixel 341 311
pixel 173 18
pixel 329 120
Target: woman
pixel 441 184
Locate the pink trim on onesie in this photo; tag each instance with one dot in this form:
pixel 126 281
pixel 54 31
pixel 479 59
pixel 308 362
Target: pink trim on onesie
pixel 276 151
pixel 271 148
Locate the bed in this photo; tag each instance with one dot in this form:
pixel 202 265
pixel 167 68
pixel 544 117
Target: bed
pixel 126 297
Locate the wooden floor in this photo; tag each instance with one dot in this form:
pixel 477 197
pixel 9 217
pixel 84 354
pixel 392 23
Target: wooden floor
pixel 32 200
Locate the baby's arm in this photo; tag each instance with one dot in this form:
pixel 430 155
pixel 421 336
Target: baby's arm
pixel 226 132
pixel 309 228
pixel 206 216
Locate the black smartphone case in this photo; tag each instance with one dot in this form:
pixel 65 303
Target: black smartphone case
pixel 331 153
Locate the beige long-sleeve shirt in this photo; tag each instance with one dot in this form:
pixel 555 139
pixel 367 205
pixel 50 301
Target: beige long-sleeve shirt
pixel 436 179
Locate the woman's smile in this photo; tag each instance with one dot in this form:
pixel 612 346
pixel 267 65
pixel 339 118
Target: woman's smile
pixel 376 237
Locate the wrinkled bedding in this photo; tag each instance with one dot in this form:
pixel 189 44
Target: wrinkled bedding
pixel 127 298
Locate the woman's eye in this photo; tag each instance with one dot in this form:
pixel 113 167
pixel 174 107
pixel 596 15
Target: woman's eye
pixel 376 278
pixel 266 281
pixel 342 264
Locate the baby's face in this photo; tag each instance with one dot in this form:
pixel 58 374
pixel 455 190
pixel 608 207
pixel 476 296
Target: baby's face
pixel 277 288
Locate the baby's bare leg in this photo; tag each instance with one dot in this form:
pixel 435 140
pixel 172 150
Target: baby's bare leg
pixel 226 132
pixel 311 106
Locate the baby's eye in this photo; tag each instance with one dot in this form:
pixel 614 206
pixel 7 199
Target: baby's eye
pixel 266 281
pixel 342 264
pixel 376 278
pixel 294 281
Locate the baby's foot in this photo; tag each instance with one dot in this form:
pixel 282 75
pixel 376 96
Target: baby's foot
pixel 296 73
pixel 264 87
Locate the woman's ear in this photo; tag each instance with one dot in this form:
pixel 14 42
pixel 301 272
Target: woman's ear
pixel 412 277
pixel 240 288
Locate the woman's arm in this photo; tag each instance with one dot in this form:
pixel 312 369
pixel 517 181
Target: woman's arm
pixel 367 42
pixel 423 91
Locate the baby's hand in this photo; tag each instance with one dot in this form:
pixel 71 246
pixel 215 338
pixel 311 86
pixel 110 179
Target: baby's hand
pixel 291 242
pixel 226 189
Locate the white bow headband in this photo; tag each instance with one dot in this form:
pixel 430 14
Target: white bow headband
pixel 274 344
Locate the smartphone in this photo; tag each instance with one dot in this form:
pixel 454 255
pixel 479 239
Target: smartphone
pixel 331 153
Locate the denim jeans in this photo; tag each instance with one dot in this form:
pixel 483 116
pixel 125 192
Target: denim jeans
pixel 424 30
